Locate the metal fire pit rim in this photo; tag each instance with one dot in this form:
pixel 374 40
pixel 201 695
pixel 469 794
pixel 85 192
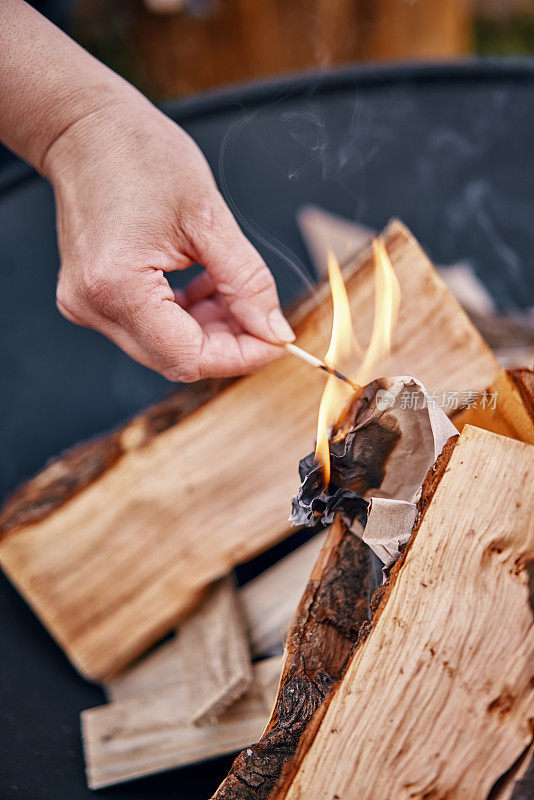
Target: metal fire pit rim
pixel 292 85
pixel 379 74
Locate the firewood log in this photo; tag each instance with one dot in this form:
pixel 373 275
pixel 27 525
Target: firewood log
pixel 332 619
pixel 437 698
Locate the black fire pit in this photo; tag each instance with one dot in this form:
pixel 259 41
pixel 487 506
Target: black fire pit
pixel 448 149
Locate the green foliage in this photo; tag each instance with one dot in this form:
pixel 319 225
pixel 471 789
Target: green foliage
pixel 513 36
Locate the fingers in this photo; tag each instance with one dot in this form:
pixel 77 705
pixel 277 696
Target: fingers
pixel 208 312
pixel 206 306
pixel 199 288
pixel 225 354
pixel 238 273
pixel 141 317
pixel 169 340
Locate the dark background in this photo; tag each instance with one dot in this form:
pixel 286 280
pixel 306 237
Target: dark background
pixel 446 149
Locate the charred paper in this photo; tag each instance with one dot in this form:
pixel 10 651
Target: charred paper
pixel 380 449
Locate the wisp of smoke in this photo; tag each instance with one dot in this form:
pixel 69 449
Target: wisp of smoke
pixel 284 253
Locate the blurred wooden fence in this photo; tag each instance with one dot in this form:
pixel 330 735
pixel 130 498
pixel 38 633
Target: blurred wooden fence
pixel 184 46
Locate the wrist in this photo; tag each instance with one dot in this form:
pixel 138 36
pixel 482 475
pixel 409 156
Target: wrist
pixel 93 126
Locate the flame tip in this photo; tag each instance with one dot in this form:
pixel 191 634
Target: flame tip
pixel 342 340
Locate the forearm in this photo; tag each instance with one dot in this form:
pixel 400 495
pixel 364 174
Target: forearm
pixel 135 199
pixel 48 84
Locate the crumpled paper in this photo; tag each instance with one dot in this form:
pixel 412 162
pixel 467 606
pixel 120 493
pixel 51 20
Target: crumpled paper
pixel 387 438
pixel 389 526
pixel 316 504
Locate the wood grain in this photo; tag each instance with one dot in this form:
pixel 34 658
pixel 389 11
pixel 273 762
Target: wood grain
pixel 217 646
pixel 161 668
pixel 333 618
pixel 75 469
pixel 512 414
pixel 153 732
pixel 439 699
pixel 209 654
pixel 268 603
pixel 114 567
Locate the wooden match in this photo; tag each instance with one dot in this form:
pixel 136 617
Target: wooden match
pixel 313 361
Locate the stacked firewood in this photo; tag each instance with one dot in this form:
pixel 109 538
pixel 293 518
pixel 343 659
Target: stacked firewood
pixel 421 686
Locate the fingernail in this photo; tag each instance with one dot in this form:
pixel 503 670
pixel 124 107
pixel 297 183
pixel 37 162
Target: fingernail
pixel 280 327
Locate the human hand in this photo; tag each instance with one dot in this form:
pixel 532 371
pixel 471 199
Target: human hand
pixel 136 199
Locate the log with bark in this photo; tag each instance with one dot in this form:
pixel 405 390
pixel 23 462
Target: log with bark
pixel 115 543
pixel 438 701
pixel 436 695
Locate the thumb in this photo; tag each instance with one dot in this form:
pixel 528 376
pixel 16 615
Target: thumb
pixel 240 275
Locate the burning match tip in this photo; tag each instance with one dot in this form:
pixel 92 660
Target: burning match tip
pixel 294 350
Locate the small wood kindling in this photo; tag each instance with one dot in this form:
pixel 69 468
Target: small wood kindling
pixel 209 656
pixel 153 732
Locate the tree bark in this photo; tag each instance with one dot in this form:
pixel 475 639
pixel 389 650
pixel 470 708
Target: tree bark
pixel 325 628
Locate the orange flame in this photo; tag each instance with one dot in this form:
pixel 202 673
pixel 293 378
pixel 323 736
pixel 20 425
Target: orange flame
pixel 342 342
pixel 335 392
pixel 387 303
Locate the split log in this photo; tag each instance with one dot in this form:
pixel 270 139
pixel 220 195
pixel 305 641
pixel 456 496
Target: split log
pixel 438 700
pixel 332 619
pixel 113 556
pixel 75 470
pixel 513 415
pixel 147 734
pixel 507 407
pixel 209 655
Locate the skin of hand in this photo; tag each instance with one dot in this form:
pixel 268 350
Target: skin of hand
pixel 135 199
